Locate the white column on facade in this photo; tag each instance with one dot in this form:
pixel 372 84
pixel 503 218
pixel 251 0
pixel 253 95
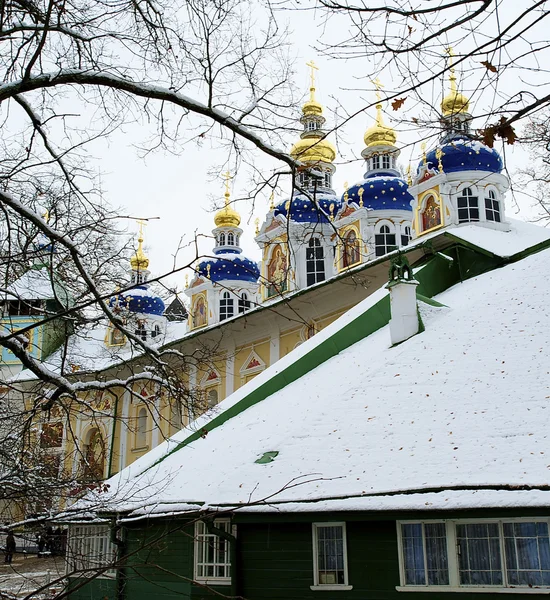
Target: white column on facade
pixel 124 429
pixel 157 422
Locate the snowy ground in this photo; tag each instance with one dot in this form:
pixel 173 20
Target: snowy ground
pixel 25 575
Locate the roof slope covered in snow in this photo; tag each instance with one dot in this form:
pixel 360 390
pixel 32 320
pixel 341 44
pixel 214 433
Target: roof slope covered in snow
pixel 444 420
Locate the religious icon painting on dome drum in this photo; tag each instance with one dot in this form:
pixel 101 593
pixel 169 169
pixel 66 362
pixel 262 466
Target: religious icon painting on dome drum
pixel 277 271
pixel 431 215
pixel 351 254
pixel 199 313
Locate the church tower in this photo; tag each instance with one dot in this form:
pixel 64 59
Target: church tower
pixel 226 283
pixel 140 308
pixel 297 237
pixel 460 181
pixel 375 216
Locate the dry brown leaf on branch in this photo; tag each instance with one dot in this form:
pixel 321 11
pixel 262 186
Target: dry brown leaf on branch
pixel 489 66
pixel 398 103
pixel 502 129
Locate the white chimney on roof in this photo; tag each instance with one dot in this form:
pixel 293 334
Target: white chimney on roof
pixel 404 321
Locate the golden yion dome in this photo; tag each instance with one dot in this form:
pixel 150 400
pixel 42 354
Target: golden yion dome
pixel 313 150
pixel 227 216
pixel 312 107
pixel 139 262
pixel 380 134
pixel 454 103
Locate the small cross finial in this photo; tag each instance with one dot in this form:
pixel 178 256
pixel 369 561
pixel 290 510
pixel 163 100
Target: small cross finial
pixel 257 223
pixel 313 68
pixel 141 223
pixel 452 76
pixel 227 177
pixel 379 86
pixel 272 201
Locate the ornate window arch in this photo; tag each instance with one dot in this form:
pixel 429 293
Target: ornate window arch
pixel 221 239
pixel 141 427
pixel 315 261
pixel 230 238
pixel 384 239
pixel 468 205
pixel 405 234
pixel 244 302
pixel 227 306
pixel 492 207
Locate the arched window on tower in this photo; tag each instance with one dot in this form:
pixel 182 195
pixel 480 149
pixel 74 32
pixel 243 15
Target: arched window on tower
pixel 141 331
pixel 221 239
pixel 492 207
pixel 328 179
pixel 468 209
pixel 375 162
pixel 352 253
pixel 226 306
pixel 244 302
pixel 230 239
pixel 315 262
pixel 385 161
pixel 384 241
pixel 311 126
pixel 405 236
pixel 141 428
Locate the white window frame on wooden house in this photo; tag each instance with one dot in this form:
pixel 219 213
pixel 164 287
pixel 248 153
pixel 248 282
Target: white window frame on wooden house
pixel 326 578
pixel 212 564
pixel 504 544
pixel 89 549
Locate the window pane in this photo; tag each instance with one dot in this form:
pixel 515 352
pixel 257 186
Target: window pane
pixel 479 554
pixel 330 555
pixel 527 553
pixel 436 554
pixel 413 554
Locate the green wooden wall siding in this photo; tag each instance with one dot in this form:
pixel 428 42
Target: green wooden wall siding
pixel 275 561
pixel 277 564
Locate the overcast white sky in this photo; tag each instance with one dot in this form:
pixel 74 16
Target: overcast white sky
pixel 180 189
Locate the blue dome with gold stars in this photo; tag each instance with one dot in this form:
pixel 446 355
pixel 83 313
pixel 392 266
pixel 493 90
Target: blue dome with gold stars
pixel 229 266
pixel 138 300
pixel 381 193
pixel 465 155
pixel 304 210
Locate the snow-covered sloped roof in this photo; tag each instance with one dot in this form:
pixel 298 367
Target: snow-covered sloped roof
pixel 35 284
pixel 455 417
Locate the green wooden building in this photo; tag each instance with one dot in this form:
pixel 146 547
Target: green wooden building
pixel 403 450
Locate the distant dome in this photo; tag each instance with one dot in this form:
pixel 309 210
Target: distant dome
pixel 138 300
pixel 313 150
pixel 382 193
pixel 465 155
pixel 229 267
pixel 454 103
pixel 304 210
pixel 227 217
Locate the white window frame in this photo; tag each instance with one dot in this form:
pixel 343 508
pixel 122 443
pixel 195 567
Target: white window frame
pixel 89 547
pixel 452 558
pixel 201 532
pixel 329 587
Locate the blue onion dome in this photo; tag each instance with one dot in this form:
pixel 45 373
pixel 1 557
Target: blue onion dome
pixel 229 266
pixel 463 154
pixel 138 300
pixel 304 210
pixel 380 193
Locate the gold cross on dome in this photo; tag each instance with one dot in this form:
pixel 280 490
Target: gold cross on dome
pixel 379 85
pixel 141 223
pixel 228 178
pixel 313 68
